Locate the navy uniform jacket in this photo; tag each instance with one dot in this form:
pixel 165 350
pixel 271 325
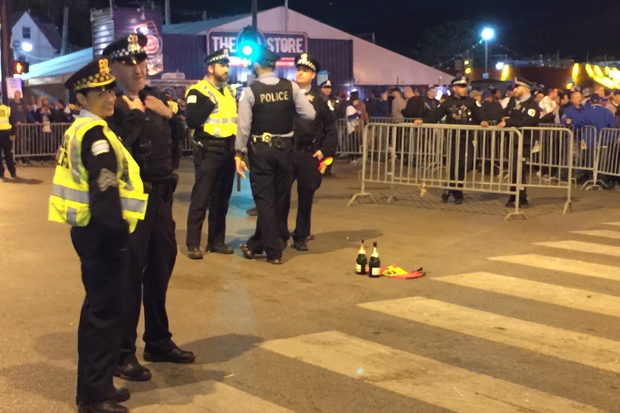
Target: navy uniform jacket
pixel 458 111
pixel 320 133
pixel 522 114
pixel 153 141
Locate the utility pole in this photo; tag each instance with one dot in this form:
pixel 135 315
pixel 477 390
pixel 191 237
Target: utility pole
pixel 167 12
pixel 65 31
pixel 5 44
pixel 255 14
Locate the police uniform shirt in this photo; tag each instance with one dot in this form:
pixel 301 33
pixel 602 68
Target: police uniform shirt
pixel 99 160
pixel 246 101
pixel 320 132
pixel 458 111
pixel 523 113
pixel 152 139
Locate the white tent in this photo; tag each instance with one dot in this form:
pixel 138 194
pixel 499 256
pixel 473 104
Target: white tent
pixel 372 64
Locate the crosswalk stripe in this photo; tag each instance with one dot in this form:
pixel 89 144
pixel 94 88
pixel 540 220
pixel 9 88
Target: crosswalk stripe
pixel 604 233
pixel 545 262
pixel 581 348
pixel 202 397
pixel 589 247
pixel 410 375
pixel 533 290
pixel 612 223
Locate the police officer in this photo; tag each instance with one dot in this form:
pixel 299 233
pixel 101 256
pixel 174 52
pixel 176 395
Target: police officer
pixel 521 111
pixel 97 189
pixel 315 145
pixel 267 109
pixel 7 137
pixel 459 109
pixel 212 112
pixel 151 133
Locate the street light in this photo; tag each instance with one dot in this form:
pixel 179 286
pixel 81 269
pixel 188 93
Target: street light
pixel 487 34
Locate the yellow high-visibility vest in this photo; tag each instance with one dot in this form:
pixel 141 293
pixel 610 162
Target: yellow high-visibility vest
pixel 222 122
pixel 174 106
pixel 5 113
pixel 69 202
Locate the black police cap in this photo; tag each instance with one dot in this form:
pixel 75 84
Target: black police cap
pixel 96 74
pixel 266 57
pixel 219 56
pixel 525 83
pixel 308 61
pixel 128 49
pixel 460 81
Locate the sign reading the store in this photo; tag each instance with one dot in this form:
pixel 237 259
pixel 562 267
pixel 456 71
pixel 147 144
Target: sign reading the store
pixel 283 44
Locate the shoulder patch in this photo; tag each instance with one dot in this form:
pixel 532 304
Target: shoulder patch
pixel 192 99
pixel 531 112
pixel 100 147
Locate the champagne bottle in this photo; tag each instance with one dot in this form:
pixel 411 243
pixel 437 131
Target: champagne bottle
pixel 362 261
pixel 374 265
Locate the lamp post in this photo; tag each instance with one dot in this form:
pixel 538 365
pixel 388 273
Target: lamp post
pixel 487 34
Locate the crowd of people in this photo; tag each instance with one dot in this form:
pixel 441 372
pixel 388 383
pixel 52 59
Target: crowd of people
pixel 575 107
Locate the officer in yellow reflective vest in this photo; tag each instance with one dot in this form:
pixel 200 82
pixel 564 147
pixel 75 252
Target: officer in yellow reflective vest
pixel 211 111
pixel 7 136
pixel 97 189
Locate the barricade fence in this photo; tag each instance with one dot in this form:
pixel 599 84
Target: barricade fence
pixel 608 159
pixel 350 135
pixel 468 158
pixel 38 140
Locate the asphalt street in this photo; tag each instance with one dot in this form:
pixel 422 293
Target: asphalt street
pixel 512 316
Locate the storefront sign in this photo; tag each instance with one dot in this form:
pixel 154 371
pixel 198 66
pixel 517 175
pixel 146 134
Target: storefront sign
pixel 283 44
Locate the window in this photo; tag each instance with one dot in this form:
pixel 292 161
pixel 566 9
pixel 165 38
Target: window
pixel 26 32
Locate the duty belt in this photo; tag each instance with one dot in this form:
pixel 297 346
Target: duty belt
pixel 267 137
pixel 279 141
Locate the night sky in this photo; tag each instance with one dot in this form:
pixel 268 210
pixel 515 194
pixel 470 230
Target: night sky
pixel 529 27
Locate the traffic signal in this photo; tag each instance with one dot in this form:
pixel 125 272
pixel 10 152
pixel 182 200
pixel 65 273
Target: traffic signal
pixel 248 42
pixel 467 65
pixel 20 67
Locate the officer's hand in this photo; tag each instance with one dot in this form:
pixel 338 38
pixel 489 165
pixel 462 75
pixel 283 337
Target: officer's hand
pixel 134 103
pixel 501 124
pixel 319 155
pixel 157 106
pixel 418 122
pixel 12 138
pixel 241 166
pixel 569 121
pixel 484 124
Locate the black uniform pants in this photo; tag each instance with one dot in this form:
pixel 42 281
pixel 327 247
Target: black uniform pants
pixel 306 172
pixel 270 179
pixel 515 163
pixel 153 251
pixel 214 179
pixel 104 262
pixel 6 147
pixel 461 160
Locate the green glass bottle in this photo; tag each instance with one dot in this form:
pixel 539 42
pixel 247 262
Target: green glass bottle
pixel 374 265
pixel 362 261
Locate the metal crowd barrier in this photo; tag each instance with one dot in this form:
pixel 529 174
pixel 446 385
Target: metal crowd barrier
pixel 469 158
pixel 548 152
pixel 585 153
pixel 38 140
pixel 608 159
pixel 350 144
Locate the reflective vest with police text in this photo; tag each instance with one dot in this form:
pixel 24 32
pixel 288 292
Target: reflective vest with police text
pixel 222 122
pixel 70 197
